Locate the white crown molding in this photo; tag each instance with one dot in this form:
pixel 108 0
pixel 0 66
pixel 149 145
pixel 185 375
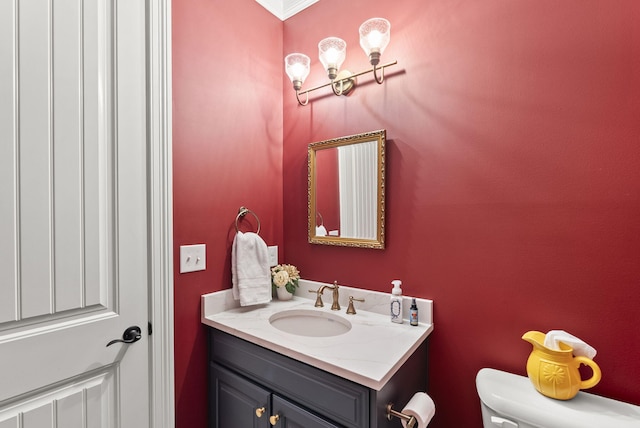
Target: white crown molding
pixel 284 9
pixel 291 7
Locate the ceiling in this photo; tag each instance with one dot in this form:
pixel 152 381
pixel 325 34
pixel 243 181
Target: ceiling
pixel 284 9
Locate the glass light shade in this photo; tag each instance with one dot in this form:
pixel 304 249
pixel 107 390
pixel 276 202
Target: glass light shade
pixel 375 34
pixel 297 66
pixel 332 51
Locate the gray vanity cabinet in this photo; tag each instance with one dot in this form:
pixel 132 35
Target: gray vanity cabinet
pixel 244 377
pixel 238 402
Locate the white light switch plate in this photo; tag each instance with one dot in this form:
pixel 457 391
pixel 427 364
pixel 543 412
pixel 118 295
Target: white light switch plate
pixel 273 255
pixel 192 258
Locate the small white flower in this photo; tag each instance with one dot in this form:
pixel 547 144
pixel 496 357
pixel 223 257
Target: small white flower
pixel 281 278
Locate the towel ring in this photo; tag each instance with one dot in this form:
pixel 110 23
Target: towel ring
pixel 244 211
pixel 321 219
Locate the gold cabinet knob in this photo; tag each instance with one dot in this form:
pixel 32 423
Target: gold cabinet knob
pixel 274 419
pixel 260 411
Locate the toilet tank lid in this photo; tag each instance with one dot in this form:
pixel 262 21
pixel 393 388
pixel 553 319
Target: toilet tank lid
pixel 514 397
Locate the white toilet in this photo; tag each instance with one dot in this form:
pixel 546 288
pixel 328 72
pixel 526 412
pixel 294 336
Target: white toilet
pixel 511 401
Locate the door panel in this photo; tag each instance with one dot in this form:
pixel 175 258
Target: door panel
pixel 8 164
pixel 70 406
pixel 73 218
pixel 34 125
pixel 67 153
pixel 292 416
pixel 58 217
pixel 235 401
pixel 10 423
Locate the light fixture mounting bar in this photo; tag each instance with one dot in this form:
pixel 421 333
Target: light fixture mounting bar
pixel 335 82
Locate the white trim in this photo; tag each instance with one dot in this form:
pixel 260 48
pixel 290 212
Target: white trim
pixel 276 7
pixel 284 9
pixel 291 7
pixel 161 357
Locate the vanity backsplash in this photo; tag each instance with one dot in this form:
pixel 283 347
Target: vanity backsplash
pixel 374 301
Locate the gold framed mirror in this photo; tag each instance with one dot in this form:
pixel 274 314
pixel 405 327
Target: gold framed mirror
pixel 346 193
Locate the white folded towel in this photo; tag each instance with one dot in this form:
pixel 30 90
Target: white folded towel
pixel 250 272
pixel 579 346
pixel 321 231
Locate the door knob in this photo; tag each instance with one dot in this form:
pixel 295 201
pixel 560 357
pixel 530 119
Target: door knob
pixel 260 411
pixel 274 419
pixel 130 335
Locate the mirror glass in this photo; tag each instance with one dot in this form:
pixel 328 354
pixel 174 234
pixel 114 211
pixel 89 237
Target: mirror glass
pixel 346 190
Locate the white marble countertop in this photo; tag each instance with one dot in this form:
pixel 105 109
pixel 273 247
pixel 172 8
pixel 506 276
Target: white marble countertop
pixel 369 354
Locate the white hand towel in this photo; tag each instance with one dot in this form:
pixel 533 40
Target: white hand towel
pixel 250 272
pixel 579 346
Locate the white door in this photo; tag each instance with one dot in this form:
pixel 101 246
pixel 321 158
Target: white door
pixel 73 214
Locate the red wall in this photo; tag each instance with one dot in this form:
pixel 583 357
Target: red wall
pixel 513 187
pixel 513 196
pixel 227 152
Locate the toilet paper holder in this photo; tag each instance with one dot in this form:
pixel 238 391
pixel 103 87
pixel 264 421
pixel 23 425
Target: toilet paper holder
pixel 411 420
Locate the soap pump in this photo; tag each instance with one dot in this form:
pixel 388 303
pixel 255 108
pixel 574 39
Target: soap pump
pixel 396 302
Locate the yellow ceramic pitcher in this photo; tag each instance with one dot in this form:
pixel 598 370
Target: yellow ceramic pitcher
pixel 555 373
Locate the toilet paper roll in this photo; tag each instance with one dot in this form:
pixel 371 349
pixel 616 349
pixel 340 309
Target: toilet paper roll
pixel 422 407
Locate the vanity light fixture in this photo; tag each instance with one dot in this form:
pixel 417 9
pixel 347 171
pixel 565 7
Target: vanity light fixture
pixel 375 34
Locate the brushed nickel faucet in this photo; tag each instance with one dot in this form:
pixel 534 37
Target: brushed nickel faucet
pixel 335 306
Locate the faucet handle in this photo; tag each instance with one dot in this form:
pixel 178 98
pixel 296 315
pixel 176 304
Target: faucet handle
pixel 318 292
pixel 351 310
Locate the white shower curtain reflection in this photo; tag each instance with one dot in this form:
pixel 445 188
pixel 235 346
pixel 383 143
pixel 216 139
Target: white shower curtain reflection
pixel 358 182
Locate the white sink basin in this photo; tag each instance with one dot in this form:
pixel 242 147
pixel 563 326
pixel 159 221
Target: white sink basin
pixel 311 323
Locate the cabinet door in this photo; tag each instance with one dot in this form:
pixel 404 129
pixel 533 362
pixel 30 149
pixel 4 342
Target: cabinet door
pixel 234 401
pixel 292 416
